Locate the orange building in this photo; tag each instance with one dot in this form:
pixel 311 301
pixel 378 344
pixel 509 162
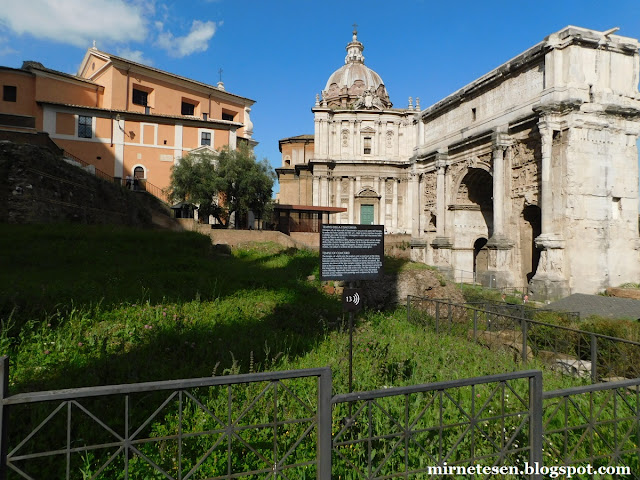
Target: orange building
pixel 125 118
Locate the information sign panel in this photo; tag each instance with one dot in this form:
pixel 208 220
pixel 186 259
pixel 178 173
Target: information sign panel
pixel 351 252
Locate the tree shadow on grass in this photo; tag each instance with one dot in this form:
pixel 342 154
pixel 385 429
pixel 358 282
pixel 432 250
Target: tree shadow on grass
pixel 200 341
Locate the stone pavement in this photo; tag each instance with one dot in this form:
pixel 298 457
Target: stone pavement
pixel 610 307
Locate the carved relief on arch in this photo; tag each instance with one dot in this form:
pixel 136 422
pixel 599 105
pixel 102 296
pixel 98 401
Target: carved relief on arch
pixel 525 170
pixel 429 181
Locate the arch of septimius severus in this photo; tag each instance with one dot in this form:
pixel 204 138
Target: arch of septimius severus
pixel 526 176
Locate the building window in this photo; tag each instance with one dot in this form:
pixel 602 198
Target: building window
pixel 473 114
pixel 227 116
pixel 188 108
pixel 205 116
pixel 205 138
pixel 9 93
pixel 367 145
pixel 140 97
pixel 84 126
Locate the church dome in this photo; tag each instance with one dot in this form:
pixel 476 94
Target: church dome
pixel 354 84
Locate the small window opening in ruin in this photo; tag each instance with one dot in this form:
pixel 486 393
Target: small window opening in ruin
pixel 616 207
pixel 473 114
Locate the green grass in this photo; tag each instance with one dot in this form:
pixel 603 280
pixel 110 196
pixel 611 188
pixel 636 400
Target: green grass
pixel 100 305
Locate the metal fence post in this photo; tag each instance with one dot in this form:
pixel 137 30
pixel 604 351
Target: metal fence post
pixel 437 317
pixel 4 415
pixel 594 358
pixel 536 431
pixel 409 308
pixel 525 357
pixel 475 325
pixel 324 425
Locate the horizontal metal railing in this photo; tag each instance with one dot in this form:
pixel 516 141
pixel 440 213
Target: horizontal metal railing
pixel 493 420
pixel 567 349
pixel 142 185
pixel 98 173
pixel 598 425
pixel 223 424
pixel 138 185
pixel 411 431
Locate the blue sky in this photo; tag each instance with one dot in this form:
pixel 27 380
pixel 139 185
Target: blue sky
pixel 281 52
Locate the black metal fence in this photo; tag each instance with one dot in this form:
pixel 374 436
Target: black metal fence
pixel 568 350
pixel 423 430
pixel 597 425
pixel 286 425
pixel 266 425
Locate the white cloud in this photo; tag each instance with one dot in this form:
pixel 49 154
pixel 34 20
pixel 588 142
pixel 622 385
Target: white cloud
pixel 5 47
pixel 76 22
pixel 134 55
pixel 197 40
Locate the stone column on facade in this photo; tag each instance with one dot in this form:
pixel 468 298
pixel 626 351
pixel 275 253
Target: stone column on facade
pixel 394 206
pixel 396 138
pixel 411 187
pixel 418 242
pixel 442 244
pixel 315 187
pixel 338 200
pixel 322 200
pixel 351 150
pixel 356 138
pixel 383 200
pixel 499 246
pixel 331 138
pixel 550 281
pixel 352 196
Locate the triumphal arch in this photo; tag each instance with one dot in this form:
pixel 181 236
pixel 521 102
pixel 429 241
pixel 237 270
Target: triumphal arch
pixel 527 176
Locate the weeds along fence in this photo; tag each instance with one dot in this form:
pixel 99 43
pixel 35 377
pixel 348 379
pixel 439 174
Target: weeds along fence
pixel 286 425
pixel 265 425
pixel 523 310
pixel 420 431
pixel 567 350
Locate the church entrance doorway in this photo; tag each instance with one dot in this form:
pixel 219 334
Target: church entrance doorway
pixel 366 214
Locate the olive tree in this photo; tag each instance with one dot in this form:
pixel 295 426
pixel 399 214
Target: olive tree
pixel 223 183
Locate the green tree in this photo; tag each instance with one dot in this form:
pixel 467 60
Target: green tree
pixel 223 183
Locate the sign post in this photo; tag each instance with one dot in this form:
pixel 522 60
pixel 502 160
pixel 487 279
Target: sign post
pixel 349 253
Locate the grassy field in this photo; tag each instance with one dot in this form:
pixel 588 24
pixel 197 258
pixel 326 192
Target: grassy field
pixel 101 305
pixel 87 306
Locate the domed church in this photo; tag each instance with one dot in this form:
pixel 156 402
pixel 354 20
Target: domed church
pixel 527 177
pixel 356 161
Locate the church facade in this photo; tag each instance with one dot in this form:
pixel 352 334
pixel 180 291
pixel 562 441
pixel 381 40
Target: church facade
pixel 526 177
